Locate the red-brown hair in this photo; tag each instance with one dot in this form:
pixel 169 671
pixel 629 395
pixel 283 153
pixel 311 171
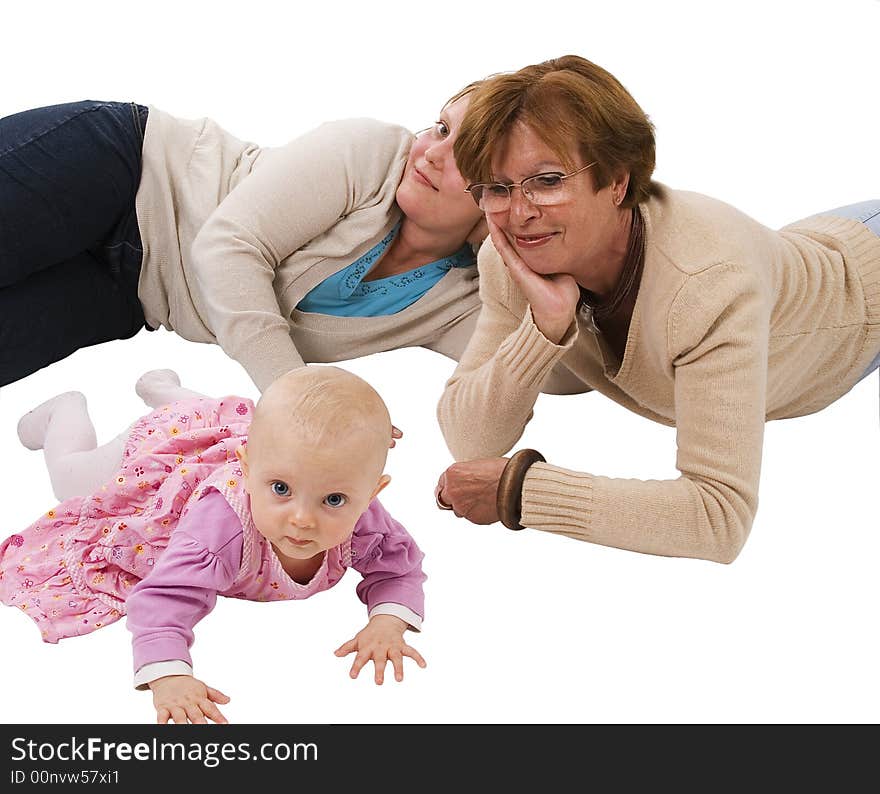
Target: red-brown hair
pixel 572 105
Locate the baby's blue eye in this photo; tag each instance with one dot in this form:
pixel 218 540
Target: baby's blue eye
pixel 335 500
pixel 280 488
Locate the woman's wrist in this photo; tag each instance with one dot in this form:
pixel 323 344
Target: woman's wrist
pixel 510 484
pixel 553 329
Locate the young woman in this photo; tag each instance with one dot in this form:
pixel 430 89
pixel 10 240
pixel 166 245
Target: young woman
pixel 354 238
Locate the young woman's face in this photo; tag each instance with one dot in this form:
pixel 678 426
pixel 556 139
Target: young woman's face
pixel 431 192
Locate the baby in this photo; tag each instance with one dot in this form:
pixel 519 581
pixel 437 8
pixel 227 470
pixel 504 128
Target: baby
pixel 209 497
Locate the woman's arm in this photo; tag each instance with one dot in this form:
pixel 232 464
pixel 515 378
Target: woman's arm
pixel 719 350
pixel 488 401
pixel 294 194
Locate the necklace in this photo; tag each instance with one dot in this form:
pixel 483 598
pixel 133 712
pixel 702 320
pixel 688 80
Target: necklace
pixel 590 306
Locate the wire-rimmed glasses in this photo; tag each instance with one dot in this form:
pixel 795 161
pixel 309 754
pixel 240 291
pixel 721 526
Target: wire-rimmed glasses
pixel 541 189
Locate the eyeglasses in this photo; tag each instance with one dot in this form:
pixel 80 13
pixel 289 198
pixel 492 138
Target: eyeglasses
pixel 541 189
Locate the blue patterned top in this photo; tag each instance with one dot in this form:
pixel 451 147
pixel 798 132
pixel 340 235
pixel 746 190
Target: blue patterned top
pixel 345 294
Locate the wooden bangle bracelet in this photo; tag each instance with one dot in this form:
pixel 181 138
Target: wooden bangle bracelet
pixel 508 501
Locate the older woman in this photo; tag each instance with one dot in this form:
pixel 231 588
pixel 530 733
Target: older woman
pixel 671 303
pixel 351 239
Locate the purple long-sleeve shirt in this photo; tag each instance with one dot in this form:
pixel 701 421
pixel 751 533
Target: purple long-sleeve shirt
pixel 203 558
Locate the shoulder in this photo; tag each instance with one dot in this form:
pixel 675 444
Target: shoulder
pixel 380 544
pixel 366 127
pixel 376 520
pixel 375 528
pixel 692 232
pixel 211 523
pixel 705 270
pixel 366 154
pixel 366 138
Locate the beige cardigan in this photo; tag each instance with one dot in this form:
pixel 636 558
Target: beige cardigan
pixel 235 235
pixel 734 324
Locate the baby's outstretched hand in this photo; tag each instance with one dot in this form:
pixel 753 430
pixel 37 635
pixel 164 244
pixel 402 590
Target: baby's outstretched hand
pixel 382 641
pixel 184 699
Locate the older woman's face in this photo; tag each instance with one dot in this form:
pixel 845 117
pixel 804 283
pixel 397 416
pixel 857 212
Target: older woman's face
pixel 431 192
pixel 569 237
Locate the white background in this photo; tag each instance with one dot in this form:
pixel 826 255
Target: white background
pixel 769 106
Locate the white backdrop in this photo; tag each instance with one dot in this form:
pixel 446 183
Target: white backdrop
pixel 769 106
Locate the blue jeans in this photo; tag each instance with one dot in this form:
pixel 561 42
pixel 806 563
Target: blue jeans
pixel 70 250
pixel 868 212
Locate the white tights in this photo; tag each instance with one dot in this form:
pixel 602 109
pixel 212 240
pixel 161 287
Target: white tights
pixel 63 429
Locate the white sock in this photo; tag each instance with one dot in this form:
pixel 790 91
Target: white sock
pixel 69 408
pixel 62 428
pixel 160 387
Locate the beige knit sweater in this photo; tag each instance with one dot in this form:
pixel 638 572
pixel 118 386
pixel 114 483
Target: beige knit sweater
pixel 734 324
pixel 235 235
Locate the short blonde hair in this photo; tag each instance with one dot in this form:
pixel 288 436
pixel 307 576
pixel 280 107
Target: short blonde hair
pixel 323 404
pixel 571 104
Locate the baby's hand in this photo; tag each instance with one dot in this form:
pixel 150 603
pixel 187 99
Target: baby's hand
pixel 184 699
pixel 380 640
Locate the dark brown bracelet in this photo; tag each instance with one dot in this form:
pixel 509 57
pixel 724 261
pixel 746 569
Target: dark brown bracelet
pixel 509 499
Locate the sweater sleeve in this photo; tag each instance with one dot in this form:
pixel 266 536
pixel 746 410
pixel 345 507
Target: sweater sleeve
pixel 202 558
pixel 389 560
pixel 718 346
pixel 294 194
pixel 488 401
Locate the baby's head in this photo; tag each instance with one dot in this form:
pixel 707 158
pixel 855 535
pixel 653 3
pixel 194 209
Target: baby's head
pixel 314 458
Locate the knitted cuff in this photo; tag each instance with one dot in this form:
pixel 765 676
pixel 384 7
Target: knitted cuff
pixel 509 497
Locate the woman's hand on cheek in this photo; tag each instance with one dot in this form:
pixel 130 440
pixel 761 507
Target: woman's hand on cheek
pixel 553 298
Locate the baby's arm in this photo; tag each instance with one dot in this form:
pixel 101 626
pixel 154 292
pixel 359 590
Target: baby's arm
pixel 391 564
pixel 202 558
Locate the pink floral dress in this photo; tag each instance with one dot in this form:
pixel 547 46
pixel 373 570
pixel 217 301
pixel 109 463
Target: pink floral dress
pixel 72 569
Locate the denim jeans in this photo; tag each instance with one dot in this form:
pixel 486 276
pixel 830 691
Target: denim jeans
pixel 70 250
pixel 868 212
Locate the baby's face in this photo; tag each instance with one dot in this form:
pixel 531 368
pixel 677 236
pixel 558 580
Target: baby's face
pixel 307 497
